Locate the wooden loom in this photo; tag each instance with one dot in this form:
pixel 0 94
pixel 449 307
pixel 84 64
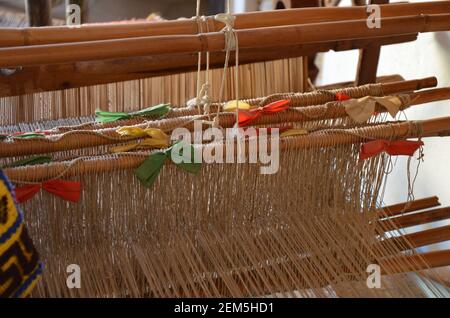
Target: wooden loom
pixel 227 231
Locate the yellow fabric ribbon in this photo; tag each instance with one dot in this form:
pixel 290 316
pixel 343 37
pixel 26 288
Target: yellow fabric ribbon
pixel 231 106
pixel 294 132
pixel 156 139
pixel 360 110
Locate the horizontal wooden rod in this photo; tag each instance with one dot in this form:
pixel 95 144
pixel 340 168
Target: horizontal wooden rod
pixel 384 79
pixel 78 139
pixel 406 207
pixel 438 275
pixel 420 239
pixel 53 77
pixel 429 128
pixel 215 42
pixel 63 34
pixel 390 266
pixel 416 262
pixel 413 219
pixel 428 237
pixel 387 89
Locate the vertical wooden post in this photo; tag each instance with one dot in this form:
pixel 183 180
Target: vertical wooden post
pixel 368 59
pixel 38 12
pixel 289 4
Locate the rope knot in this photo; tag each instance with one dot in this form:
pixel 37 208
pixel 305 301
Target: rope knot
pixel 194 102
pixel 216 122
pixel 206 106
pixel 227 19
pixel 230 34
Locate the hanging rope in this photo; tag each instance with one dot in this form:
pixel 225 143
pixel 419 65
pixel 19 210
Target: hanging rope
pixel 231 43
pixel 196 102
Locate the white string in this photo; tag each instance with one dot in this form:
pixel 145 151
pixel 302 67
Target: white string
pixel 231 43
pixel 205 88
pixel 202 99
pixel 196 102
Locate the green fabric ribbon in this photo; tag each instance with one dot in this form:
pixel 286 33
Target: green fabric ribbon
pixel 109 117
pixel 30 162
pixel 29 136
pixel 150 169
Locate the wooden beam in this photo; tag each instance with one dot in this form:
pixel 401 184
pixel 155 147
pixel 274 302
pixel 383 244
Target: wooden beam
pixel 406 207
pixel 414 219
pixel 416 262
pixel 369 59
pixel 72 75
pixel 419 239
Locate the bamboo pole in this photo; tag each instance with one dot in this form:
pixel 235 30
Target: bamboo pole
pixel 39 36
pixel 215 42
pixel 384 79
pixel 41 78
pixel 40 173
pixel 300 100
pixel 78 139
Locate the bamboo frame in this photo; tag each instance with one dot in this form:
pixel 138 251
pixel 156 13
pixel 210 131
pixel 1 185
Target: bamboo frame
pixel 311 98
pixel 428 128
pixel 215 42
pixel 108 136
pixel 78 74
pixel 39 36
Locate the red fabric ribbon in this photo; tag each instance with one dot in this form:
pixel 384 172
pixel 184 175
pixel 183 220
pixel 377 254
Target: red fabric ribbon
pixel 393 148
pixel 67 190
pixel 340 97
pixel 246 117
